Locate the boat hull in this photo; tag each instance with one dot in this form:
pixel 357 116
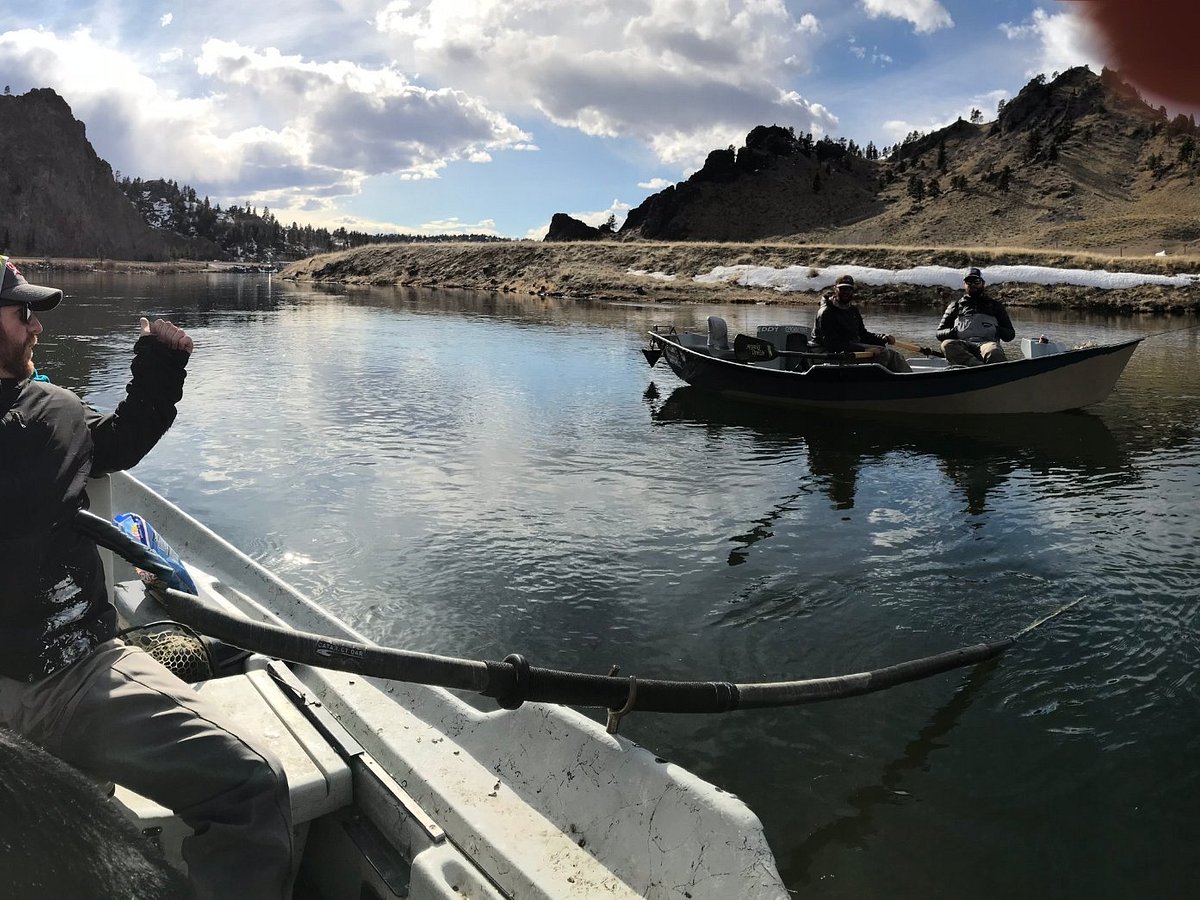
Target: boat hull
pixel 539 802
pixel 1054 383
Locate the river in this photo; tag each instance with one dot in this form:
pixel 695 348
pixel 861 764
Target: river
pixel 478 474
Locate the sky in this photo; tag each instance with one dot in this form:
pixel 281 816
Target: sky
pixel 489 116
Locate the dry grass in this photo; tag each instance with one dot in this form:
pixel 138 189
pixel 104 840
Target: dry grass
pixel 602 270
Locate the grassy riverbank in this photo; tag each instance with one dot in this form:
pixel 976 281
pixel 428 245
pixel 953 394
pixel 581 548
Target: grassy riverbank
pixel 664 272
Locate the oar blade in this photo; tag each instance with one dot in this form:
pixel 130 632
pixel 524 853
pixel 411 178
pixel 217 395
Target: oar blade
pixel 750 349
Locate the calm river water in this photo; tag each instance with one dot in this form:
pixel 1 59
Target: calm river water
pixel 478 474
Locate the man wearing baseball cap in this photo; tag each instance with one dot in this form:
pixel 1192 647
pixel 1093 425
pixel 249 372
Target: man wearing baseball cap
pixel 839 327
pixel 67 682
pixel 973 326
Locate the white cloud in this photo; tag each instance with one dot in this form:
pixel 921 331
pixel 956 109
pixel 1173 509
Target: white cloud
pixel 454 226
pixel 898 129
pixel 924 15
pixel 617 210
pixel 681 75
pixel 1064 40
pixel 166 20
pixel 655 184
pixel 267 124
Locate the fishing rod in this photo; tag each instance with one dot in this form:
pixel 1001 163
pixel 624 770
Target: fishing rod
pixel 513 681
pixel 1171 330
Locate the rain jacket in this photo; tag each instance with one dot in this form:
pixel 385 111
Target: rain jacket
pixel 841 328
pixel 54 607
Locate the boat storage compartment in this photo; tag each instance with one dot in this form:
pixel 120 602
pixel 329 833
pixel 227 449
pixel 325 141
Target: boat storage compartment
pixel 319 780
pixel 1034 348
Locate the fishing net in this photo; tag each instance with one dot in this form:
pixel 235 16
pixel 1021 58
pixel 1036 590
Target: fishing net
pixel 178 648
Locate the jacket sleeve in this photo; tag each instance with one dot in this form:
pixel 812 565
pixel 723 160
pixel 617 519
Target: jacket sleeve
pixel 946 330
pixel 123 437
pixel 819 330
pixel 1004 325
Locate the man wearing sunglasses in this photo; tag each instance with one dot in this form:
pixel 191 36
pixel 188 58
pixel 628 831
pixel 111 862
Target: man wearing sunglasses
pixel 973 326
pixel 839 327
pixel 67 682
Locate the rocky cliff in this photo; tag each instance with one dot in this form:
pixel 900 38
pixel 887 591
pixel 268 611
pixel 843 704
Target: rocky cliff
pixel 59 197
pixel 1079 161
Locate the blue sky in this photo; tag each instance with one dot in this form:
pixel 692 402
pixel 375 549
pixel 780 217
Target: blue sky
pixel 451 116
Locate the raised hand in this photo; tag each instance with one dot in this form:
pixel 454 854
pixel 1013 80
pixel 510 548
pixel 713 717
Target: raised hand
pixel 166 333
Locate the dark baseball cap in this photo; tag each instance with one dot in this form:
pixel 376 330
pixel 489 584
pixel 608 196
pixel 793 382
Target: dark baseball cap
pixel 15 290
pixel 972 274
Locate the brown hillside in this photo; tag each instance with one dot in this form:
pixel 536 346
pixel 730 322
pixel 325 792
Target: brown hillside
pixel 1080 162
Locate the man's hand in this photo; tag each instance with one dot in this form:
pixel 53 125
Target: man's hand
pixel 166 333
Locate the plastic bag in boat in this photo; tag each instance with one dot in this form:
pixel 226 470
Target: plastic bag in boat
pixel 143 532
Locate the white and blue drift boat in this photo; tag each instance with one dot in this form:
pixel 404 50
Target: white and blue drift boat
pixel 400 788
pixel 406 790
pixel 780 367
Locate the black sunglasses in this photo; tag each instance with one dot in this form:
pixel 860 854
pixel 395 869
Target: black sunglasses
pixel 25 311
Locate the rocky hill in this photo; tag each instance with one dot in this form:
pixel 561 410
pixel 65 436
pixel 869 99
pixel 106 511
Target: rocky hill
pixel 1079 162
pixel 59 196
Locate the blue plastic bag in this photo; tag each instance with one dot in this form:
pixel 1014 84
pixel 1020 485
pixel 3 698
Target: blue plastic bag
pixel 142 532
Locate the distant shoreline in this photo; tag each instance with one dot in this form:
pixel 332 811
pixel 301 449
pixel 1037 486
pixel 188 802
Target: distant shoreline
pixel 130 266
pixel 663 272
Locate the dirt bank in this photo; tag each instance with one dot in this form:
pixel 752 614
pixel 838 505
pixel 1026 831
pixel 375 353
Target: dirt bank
pixel 611 270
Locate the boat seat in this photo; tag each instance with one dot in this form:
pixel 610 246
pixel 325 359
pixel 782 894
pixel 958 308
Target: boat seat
pixel 319 779
pixel 718 338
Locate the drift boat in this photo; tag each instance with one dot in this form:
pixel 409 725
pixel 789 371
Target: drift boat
pixel 407 790
pixel 400 788
pixel 779 366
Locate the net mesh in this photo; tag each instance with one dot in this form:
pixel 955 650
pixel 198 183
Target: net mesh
pixel 181 651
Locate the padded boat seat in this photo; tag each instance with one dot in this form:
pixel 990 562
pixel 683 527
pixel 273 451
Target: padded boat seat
pixel 718 338
pixel 318 778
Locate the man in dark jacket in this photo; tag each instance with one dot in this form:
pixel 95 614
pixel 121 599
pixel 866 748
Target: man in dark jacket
pixel 66 682
pixel 973 326
pixel 839 327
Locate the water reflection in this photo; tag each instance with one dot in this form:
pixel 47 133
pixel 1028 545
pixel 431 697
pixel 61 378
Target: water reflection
pixel 976 456
pixel 853 829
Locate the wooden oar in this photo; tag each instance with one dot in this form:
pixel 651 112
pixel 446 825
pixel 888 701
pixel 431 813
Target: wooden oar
pixel 917 348
pixel 750 349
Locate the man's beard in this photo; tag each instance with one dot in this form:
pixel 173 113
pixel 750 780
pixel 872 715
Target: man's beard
pixel 16 360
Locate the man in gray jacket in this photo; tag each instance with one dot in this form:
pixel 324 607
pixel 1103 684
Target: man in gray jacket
pixel 973 326
pixel 67 683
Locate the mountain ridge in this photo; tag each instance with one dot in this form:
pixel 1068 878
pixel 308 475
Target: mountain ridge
pixel 1077 162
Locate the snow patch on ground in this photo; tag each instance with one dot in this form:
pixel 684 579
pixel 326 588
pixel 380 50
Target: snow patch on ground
pixel 808 278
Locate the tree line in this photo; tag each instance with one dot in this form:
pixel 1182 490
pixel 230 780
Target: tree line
pixel 245 232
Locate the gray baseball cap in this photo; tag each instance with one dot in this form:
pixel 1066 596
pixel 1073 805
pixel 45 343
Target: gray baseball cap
pixel 15 290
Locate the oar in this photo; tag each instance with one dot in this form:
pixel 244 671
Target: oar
pixel 917 348
pixel 514 681
pixel 750 349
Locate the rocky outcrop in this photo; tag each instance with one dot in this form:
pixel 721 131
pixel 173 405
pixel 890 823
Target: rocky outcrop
pixel 60 198
pixel 1079 160
pixel 566 228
